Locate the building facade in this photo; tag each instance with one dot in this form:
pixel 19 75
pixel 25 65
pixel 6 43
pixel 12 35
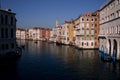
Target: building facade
pixel 71 32
pixel 20 33
pixel 64 33
pixel 36 33
pixel 53 34
pixel 109 36
pixel 7 32
pixel 87 30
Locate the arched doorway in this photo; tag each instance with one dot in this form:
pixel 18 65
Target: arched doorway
pixel 109 47
pixel 115 50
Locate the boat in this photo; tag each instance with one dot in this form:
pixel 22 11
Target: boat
pixel 22 46
pixel 58 43
pixel 12 55
pixel 105 56
pixel 36 42
pixel 50 42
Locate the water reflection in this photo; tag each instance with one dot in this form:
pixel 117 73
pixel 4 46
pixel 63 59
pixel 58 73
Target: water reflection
pixel 44 61
pixel 8 70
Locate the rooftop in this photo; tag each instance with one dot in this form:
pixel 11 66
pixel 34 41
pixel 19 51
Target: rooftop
pixel 106 3
pixel 7 10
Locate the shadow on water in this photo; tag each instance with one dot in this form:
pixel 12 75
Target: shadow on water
pixel 44 61
pixel 8 70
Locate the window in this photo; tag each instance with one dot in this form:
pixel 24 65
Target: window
pixel 2 19
pixel 87 32
pixel 67 38
pixel 117 29
pixel 2 32
pixel 108 17
pixel 87 19
pixel 6 19
pixel 6 46
pixel 95 31
pixel 95 19
pixel 3 47
pixel 113 16
pixel 92 32
pixel 6 33
pixel 12 45
pixel 82 19
pixel 87 43
pixel 95 43
pixel 92 25
pixel 11 21
pixel 82 24
pixel 92 37
pixel 91 19
pixel 95 37
pixel 117 14
pixel 91 43
pixel 87 25
pixel 87 37
pixel 82 43
pixel 12 33
pixel 95 25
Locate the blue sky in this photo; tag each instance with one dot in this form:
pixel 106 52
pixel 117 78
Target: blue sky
pixel 43 13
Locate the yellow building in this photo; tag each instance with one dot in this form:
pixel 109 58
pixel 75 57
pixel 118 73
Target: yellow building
pixel 71 32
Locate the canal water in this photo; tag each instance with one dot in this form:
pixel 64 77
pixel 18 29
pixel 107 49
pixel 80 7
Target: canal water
pixel 47 61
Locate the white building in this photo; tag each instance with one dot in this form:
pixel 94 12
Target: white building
pixel 109 36
pixel 65 33
pixel 20 33
pixel 34 34
pixel 52 36
pixel 55 33
pixel 23 34
pixel 30 32
pixel 7 32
